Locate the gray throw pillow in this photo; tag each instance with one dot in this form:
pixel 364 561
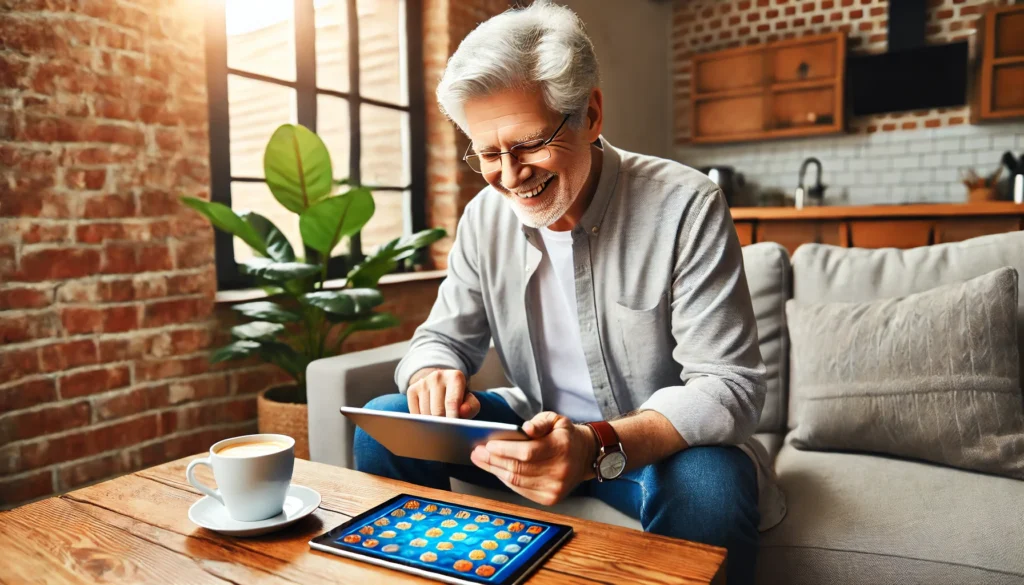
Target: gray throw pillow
pixel 932 376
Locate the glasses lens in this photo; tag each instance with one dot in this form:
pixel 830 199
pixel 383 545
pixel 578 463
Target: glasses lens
pixel 530 154
pixel 474 163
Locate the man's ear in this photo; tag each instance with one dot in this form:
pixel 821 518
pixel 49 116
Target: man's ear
pixel 595 114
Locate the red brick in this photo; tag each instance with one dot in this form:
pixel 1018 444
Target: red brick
pixel 24 298
pixel 877 11
pixel 65 355
pixel 968 10
pixel 27 394
pixel 58 264
pixel 94 381
pixel 116 135
pixel 865 25
pixel 190 443
pixel 193 253
pixel 91 441
pixel 45 421
pixel 130 403
pixel 17 328
pixel 120 259
pixel 25 488
pixel 87 179
pixel 119 319
pixel 807 7
pixel 80 320
pixel 932 123
pixel 944 14
pixel 158 202
pixel 72 475
pixel 956 120
pixel 36 233
pixel 38 129
pixel 112 205
pixel 888 127
pixel 195 416
pixel 175 312
pixel 817 19
pixel 827 4
pixel 909 125
pixel 753 17
pixel 162 369
pixel 764 28
pixel 15 364
pixel 155 257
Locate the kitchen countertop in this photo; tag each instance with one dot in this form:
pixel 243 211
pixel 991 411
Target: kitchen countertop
pixel 994 208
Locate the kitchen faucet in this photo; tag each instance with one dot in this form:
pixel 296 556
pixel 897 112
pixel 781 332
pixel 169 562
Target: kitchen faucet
pixel 816 192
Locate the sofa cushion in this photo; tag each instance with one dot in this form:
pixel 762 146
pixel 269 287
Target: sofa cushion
pixel 823 273
pixel 932 376
pixel 766 265
pixel 868 519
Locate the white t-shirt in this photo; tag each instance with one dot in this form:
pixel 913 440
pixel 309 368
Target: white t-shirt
pixel 564 377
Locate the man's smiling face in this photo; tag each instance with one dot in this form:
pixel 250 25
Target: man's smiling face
pixel 540 193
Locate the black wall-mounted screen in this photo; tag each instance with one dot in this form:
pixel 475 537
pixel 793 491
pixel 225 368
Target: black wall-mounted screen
pixel 933 76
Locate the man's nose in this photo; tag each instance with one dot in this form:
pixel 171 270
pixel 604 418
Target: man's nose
pixel 512 172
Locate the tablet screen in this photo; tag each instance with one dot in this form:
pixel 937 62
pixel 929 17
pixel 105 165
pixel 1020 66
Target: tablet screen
pixel 447 541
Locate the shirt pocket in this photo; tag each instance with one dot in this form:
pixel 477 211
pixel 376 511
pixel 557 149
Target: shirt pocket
pixel 644 339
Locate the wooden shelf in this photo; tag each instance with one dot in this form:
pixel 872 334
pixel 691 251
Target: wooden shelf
pixel 790 132
pixel 729 93
pixel 799 85
pixel 768 91
pixel 1012 60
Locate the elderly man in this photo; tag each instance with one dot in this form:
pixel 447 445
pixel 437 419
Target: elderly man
pixel 612 285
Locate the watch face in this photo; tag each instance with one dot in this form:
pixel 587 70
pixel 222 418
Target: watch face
pixel 612 465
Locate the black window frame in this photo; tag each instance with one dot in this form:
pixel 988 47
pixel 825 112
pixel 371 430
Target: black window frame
pixel 217 71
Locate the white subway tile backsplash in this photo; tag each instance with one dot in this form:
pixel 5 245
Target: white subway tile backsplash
pixel 978 143
pixel 884 167
pixel 910 161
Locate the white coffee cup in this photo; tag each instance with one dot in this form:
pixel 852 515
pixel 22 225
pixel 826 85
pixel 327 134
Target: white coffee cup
pixel 253 473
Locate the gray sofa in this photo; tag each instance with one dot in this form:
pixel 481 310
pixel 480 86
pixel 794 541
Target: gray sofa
pixel 852 518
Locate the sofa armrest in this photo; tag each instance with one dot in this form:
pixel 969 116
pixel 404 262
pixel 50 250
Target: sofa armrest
pixel 351 379
pixel 354 379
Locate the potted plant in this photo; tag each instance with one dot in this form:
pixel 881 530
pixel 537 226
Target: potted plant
pixel 302 320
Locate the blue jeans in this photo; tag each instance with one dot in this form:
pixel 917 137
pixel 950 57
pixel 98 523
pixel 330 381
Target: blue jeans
pixel 702 494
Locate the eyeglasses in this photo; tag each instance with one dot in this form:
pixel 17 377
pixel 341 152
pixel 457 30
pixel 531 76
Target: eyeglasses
pixel 527 153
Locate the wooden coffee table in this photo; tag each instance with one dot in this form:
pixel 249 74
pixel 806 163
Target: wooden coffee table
pixel 135 529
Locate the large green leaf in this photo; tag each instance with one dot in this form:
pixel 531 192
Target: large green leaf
pixel 376 321
pixel 324 225
pixel 277 246
pixel 409 244
pixel 257 331
pixel 285 357
pixel 278 271
pixel 223 218
pixel 297 167
pixel 368 272
pixel 237 350
pixel 267 311
pixel 346 303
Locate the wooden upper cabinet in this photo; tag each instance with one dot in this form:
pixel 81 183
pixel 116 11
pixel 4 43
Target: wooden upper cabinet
pixel 999 85
pixel 783 89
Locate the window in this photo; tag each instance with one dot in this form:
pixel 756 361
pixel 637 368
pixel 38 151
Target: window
pixel 338 67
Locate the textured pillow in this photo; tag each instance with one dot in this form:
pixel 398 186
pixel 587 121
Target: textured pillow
pixel 932 376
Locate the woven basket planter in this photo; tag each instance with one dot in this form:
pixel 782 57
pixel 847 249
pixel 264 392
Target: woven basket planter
pixel 280 414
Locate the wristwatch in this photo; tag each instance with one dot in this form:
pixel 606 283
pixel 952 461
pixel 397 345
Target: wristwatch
pixel 611 459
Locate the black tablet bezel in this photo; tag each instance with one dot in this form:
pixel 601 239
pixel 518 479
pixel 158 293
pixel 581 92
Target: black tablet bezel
pixel 327 539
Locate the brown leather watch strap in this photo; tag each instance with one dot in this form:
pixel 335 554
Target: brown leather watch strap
pixel 605 434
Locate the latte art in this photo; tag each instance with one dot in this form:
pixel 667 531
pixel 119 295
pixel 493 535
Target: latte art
pixel 251 448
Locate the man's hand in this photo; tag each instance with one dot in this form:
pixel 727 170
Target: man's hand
pixel 546 468
pixel 441 393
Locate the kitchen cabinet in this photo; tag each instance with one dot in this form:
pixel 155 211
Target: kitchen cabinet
pixel 999 79
pixel 777 90
pixel 880 226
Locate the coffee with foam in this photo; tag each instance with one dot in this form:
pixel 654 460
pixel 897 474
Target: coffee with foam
pixel 251 448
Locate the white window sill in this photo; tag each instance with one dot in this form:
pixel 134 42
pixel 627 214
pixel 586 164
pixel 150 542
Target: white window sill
pixel 255 294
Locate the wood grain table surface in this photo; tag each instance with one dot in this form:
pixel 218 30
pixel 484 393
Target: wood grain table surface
pixel 135 529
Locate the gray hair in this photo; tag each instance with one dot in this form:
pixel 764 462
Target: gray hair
pixel 544 45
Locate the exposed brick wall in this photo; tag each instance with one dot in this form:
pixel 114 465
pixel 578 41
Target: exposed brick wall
pixel 700 26
pixel 898 157
pixel 450 184
pixel 107 309
pixel 106 281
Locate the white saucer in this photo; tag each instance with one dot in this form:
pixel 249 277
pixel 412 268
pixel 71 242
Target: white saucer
pixel 299 502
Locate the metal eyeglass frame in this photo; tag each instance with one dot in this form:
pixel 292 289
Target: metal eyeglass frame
pixel 511 150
